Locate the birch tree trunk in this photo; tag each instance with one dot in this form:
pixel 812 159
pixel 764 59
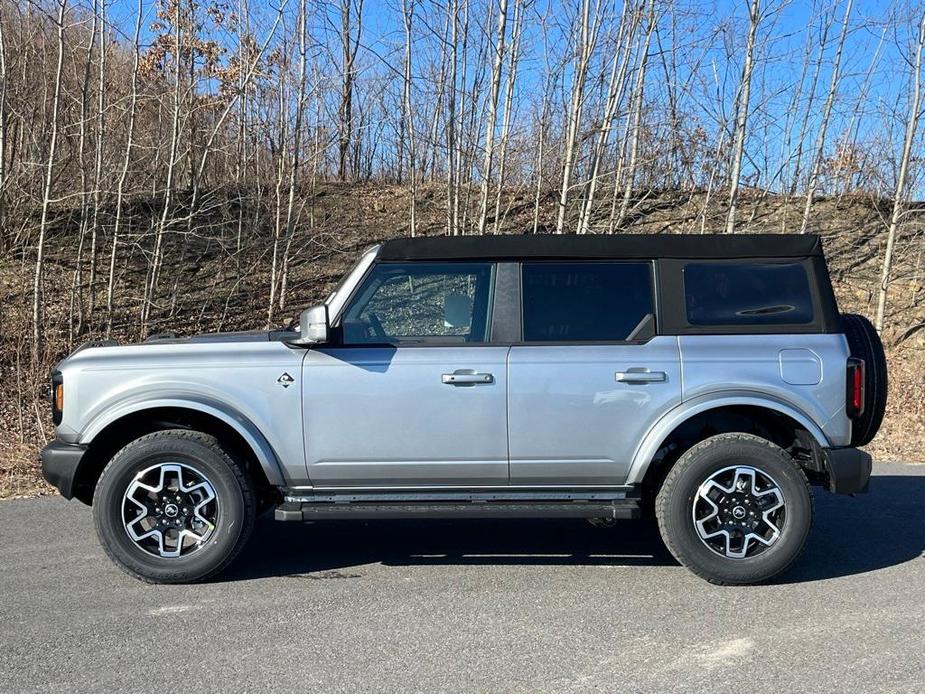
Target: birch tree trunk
pixel 811 99
pixel 543 128
pixel 754 18
pixel 615 89
pixel 452 189
pixel 123 175
pixel 38 299
pixel 492 114
pixel 98 168
pixel 76 307
pixel 587 38
pixel 638 100
pixel 408 20
pixel 824 124
pixel 4 241
pixel 349 48
pixel 278 223
pixel 508 107
pixel 296 151
pixel 912 124
pixel 156 258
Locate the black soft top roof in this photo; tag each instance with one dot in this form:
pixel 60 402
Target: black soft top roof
pixel 612 246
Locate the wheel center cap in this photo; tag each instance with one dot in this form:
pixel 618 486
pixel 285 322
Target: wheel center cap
pixel 171 510
pixel 739 512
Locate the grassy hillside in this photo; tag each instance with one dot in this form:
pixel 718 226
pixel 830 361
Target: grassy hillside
pixel 210 285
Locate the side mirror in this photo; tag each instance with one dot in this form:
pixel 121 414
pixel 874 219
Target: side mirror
pixel 313 326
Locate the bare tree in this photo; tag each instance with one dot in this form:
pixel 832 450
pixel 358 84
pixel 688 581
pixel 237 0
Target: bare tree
pixel 3 127
pixel 452 151
pixel 76 309
pixel 98 165
pixel 899 193
pixel 123 174
pixel 587 40
pixel 37 284
pixel 296 154
pixel 622 54
pixel 492 114
pixel 351 30
pixel 754 18
pixel 828 17
pixel 517 30
pixel 638 100
pixel 824 123
pixel 166 206
pixel 408 113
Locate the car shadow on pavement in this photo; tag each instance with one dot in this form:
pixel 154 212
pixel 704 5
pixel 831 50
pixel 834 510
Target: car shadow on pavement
pixel 851 535
pixel 279 549
pixel 855 535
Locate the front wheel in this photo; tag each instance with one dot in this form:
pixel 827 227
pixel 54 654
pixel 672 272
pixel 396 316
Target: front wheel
pixel 173 507
pixel 735 509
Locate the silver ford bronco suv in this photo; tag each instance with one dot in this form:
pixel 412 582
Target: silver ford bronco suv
pixel 708 380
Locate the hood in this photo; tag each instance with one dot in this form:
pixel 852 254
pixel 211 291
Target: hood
pixel 207 338
pixel 239 336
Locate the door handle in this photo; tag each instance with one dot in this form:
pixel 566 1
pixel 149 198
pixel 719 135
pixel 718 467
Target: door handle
pixel 467 379
pixel 641 376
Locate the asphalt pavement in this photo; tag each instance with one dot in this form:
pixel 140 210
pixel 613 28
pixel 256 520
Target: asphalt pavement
pixel 389 606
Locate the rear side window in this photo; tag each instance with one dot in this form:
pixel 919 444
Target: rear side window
pixel 565 302
pixel 747 294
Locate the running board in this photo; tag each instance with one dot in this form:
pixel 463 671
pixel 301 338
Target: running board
pixel 366 510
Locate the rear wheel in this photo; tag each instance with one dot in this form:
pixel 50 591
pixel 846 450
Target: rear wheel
pixel 173 507
pixel 735 509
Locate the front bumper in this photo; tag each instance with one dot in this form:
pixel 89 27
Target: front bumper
pixel 60 462
pixel 849 470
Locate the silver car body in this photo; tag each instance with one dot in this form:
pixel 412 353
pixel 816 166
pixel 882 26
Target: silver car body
pixel 552 415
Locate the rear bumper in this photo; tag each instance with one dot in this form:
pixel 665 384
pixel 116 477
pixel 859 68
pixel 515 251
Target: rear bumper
pixel 60 461
pixel 849 470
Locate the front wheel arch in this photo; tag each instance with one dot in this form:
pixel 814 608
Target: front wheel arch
pixel 122 430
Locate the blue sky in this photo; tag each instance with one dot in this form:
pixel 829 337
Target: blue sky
pixel 708 55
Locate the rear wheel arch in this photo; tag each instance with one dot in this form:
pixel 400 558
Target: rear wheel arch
pixel 674 435
pixel 110 437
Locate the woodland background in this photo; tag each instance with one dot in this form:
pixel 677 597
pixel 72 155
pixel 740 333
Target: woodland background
pixel 195 165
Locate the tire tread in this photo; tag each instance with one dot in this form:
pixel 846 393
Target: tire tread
pixel 664 498
pixel 242 478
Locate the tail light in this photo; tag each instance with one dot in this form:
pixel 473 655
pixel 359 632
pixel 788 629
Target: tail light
pixel 854 401
pixel 57 397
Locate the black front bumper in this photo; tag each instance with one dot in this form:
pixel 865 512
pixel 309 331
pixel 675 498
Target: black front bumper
pixel 849 470
pixel 60 462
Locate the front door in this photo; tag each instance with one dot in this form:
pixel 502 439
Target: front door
pixel 591 376
pixel 414 394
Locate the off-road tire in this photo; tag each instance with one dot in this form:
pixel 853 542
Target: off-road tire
pixel 674 508
pixel 233 488
pixel 864 343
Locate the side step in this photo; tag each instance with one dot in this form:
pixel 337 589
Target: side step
pixel 368 510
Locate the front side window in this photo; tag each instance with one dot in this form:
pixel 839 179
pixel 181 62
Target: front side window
pixel 586 301
pixel 747 293
pixel 421 303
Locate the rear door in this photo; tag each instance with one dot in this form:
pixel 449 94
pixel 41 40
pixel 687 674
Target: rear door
pixel 591 375
pixel 415 394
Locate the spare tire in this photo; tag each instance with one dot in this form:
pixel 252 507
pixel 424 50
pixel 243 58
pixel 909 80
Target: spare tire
pixel 864 343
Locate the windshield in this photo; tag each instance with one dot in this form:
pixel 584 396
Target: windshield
pixel 347 275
